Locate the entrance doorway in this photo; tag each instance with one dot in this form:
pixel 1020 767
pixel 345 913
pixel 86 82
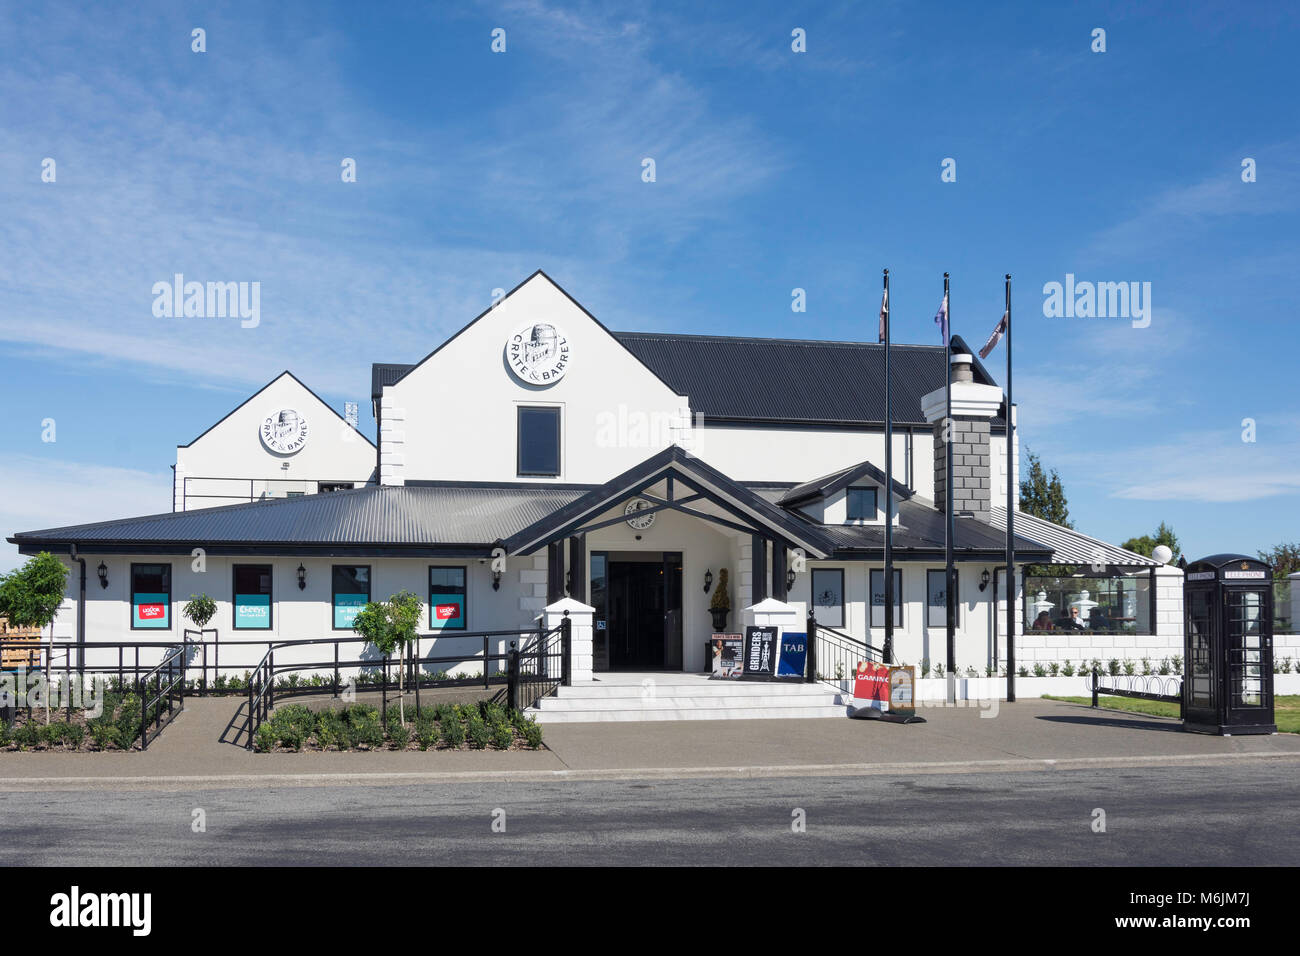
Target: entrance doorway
pixel 638 601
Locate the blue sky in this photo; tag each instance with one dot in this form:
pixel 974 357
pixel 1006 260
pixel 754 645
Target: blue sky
pixel 775 170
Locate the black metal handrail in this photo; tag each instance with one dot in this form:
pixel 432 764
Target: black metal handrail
pixel 129 654
pixel 262 689
pixel 832 652
pixel 542 666
pixel 173 692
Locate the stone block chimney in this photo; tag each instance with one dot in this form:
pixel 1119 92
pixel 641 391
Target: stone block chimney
pixel 966 438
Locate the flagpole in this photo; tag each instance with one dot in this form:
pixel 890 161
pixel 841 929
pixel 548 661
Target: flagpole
pixel 950 597
pixel 1011 544
pixel 888 655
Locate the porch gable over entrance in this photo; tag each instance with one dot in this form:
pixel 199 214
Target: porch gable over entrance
pixel 711 496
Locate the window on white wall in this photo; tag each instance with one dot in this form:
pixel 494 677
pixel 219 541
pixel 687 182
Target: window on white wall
pixel 878 597
pixel 936 601
pixel 861 504
pixel 539 441
pixel 828 596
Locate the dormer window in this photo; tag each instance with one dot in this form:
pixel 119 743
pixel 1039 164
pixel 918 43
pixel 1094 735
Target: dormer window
pixel 861 504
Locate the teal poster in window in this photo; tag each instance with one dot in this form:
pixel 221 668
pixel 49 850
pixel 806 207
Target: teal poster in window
pixel 150 610
pixel 446 612
pixel 253 611
pixel 346 607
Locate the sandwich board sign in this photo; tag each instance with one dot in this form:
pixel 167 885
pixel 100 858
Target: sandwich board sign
pixel 871 685
pixel 726 657
pixel 794 654
pixel 760 652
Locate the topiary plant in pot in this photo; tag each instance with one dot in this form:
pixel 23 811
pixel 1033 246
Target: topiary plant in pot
pixel 720 604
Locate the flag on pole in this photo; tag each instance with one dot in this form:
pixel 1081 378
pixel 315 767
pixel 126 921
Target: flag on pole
pixel 996 337
pixel 884 311
pixel 941 318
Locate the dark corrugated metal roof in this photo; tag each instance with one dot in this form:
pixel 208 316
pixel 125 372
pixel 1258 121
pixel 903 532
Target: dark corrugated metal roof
pixel 921 528
pixel 836 480
pixel 393 516
pixel 794 379
pixel 385 373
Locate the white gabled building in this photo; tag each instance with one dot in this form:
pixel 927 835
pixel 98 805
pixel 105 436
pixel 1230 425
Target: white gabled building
pixel 625 471
pixel 284 441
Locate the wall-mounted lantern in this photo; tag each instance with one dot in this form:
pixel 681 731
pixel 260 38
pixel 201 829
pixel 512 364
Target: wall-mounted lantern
pixel 496 580
pixel 708 580
pixel 789 579
pixel 984 579
pixel 302 578
pixel 103 575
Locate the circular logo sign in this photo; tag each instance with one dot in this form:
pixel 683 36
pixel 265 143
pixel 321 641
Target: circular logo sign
pixel 538 353
pixel 636 520
pixel 284 431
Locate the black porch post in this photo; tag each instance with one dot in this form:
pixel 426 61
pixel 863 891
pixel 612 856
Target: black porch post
pixel 578 567
pixel 758 567
pixel 778 571
pixel 554 572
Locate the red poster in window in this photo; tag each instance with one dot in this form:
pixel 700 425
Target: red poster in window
pixel 871 684
pixel 150 612
pixel 446 612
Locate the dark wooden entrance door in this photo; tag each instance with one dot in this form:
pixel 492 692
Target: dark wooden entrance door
pixel 644 614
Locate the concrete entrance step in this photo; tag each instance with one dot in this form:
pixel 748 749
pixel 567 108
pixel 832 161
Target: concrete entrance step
pixel 620 697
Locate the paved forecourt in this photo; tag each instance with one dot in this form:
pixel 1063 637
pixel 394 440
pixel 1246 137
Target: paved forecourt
pixel 1029 735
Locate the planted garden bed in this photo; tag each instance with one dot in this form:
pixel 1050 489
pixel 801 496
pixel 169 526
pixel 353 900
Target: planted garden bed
pixel 481 726
pixel 116 728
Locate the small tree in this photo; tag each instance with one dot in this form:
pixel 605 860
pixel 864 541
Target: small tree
pixel 199 609
pixel 1285 559
pixel 390 626
pixel 721 600
pixel 30 596
pixel 1147 543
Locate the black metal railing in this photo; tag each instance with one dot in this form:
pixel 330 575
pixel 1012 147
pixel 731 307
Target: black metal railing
pixel 1162 687
pixel 542 665
pixel 833 655
pixel 527 674
pixel 163 685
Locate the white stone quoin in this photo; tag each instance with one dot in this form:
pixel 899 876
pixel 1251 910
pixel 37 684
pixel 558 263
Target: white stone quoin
pixel 581 648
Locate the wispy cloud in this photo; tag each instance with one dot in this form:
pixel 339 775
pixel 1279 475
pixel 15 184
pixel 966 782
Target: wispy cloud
pixel 41 492
pixel 225 167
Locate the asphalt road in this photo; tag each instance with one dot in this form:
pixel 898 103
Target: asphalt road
pixel 1245 814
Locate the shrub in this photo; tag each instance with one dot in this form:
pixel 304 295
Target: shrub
pixel 331 730
pixel 1054 668
pixel 426 730
pixel 532 732
pixel 1112 667
pixel 1164 668
pixel 925 667
pixel 453 732
pixel 28 735
pixel 1129 667
pixel 1178 664
pixel 1146 666
pixel 264 739
pixel 1067 669
pixel 476 729
pixel 399 734
pixel 1022 671
pixel 103 733
pixel 128 721
pixel 1039 669
pixel 366 730
pixel 503 735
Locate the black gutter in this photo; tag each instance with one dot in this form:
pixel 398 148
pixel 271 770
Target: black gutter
pixel 81 609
